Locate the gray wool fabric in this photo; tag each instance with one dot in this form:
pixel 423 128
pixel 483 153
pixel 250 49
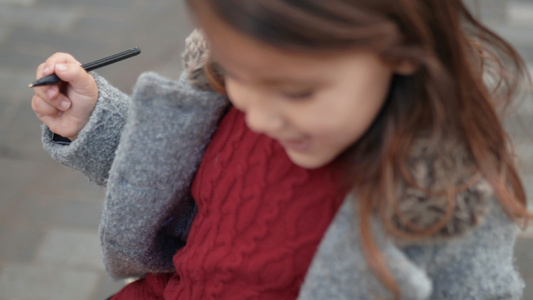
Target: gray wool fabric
pixel 159 141
pixel 146 149
pixel 148 197
pixel 92 153
pixel 476 266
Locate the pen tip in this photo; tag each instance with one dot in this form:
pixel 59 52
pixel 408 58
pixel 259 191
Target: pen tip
pixel 30 85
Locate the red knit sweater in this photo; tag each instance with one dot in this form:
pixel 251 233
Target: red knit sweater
pixel 260 219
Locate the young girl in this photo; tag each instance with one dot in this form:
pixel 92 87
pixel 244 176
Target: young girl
pixel 362 156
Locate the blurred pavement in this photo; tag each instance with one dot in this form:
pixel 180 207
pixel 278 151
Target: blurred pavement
pixel 49 214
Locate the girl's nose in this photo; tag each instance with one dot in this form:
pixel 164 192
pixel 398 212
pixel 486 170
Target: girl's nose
pixel 264 119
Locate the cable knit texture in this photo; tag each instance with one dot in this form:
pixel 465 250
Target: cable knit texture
pixel 260 219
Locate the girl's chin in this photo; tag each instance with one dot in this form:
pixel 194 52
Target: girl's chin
pixel 304 153
pixel 306 161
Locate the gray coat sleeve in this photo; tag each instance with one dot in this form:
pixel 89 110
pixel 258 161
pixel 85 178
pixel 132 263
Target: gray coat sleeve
pixel 148 208
pixel 477 265
pixel 94 150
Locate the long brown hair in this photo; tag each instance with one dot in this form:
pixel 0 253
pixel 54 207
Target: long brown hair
pixel 447 98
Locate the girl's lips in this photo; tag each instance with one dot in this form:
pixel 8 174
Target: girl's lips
pixel 298 145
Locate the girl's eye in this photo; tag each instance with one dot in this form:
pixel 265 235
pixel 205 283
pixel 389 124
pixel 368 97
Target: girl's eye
pixel 298 95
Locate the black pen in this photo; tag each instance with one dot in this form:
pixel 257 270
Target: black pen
pixel 51 79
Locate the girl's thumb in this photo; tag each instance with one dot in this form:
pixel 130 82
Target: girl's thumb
pixel 76 76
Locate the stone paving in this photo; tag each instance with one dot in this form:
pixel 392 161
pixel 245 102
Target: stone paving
pixel 49 214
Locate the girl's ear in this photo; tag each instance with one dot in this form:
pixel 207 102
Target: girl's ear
pixel 404 67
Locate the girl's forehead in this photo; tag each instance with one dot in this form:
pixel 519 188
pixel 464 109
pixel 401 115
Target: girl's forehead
pixel 224 40
pixel 242 55
pixel 234 51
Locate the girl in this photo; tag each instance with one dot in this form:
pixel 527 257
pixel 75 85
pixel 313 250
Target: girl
pixel 362 156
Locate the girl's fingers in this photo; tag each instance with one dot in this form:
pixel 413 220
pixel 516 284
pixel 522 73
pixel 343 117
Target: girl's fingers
pixel 50 93
pixel 80 81
pixel 66 67
pixel 52 96
pixel 42 108
pixel 39 71
pixel 41 91
pixel 49 65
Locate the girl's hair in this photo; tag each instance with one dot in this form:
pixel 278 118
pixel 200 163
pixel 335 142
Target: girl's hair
pixel 461 86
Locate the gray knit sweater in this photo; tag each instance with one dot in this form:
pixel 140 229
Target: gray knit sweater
pixel 146 148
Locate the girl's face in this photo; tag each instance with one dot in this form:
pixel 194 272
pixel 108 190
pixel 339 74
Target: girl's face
pixel 315 105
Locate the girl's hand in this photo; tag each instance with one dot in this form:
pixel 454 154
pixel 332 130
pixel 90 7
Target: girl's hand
pixel 65 107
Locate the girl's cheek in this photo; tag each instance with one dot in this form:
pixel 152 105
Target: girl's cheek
pixel 234 95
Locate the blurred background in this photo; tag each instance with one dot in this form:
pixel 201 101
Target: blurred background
pixel 49 214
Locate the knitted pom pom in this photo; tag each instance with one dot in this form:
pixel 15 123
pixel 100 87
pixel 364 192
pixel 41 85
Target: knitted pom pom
pixel 194 59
